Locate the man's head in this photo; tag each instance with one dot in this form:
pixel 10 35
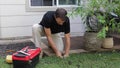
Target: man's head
pixel 60 15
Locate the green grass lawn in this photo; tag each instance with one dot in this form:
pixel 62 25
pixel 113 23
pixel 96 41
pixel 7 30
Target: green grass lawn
pixel 82 60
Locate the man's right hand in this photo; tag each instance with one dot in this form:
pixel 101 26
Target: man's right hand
pixel 51 42
pixel 59 54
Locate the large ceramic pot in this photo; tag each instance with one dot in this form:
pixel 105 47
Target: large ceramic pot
pixel 108 43
pixel 91 41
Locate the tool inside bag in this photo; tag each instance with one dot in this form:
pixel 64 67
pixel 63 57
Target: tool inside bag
pixel 23 52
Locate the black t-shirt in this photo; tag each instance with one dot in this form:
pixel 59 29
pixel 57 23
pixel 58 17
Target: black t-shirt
pixel 48 21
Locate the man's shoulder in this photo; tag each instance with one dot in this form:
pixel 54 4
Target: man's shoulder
pixel 50 12
pixel 67 19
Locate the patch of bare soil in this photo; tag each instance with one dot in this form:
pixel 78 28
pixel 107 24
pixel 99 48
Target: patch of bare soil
pixel 8 49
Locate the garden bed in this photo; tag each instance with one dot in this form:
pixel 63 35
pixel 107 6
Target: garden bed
pixel 11 45
pixel 8 47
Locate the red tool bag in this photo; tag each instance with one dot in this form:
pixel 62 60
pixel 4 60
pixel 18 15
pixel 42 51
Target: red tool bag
pixel 26 58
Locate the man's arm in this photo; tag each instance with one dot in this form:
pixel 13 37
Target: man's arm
pixel 51 42
pixel 67 47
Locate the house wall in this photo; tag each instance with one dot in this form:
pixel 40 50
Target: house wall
pixel 0 21
pixel 16 21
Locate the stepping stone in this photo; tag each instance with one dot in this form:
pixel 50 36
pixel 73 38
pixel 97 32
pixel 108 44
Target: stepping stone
pixel 49 52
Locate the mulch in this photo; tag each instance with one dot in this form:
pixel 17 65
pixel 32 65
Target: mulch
pixel 9 49
pixel 13 46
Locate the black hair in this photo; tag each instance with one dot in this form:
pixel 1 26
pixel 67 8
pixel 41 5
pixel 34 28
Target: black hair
pixel 61 13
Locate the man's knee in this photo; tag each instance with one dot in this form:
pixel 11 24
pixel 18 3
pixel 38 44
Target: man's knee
pixel 38 29
pixel 35 26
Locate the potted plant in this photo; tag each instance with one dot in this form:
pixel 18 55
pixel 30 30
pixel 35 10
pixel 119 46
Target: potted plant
pixel 104 33
pixel 95 14
pixel 110 22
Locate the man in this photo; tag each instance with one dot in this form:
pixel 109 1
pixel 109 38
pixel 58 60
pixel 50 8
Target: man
pixel 54 22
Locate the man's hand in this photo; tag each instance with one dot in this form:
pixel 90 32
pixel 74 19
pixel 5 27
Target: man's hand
pixel 51 42
pixel 65 55
pixel 67 47
pixel 59 54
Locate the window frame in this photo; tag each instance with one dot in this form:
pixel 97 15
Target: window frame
pixel 30 8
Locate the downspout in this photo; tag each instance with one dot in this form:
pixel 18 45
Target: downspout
pixel 57 2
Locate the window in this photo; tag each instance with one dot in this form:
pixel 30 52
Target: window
pixel 41 2
pixel 52 2
pixel 44 5
pixel 67 2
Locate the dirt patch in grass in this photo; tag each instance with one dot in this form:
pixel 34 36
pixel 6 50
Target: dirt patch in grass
pixel 8 49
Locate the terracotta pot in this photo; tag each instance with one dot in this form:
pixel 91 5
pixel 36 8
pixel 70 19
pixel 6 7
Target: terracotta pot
pixel 108 43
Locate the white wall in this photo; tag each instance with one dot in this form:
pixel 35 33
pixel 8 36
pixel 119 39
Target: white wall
pixel 15 21
pixel 0 21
